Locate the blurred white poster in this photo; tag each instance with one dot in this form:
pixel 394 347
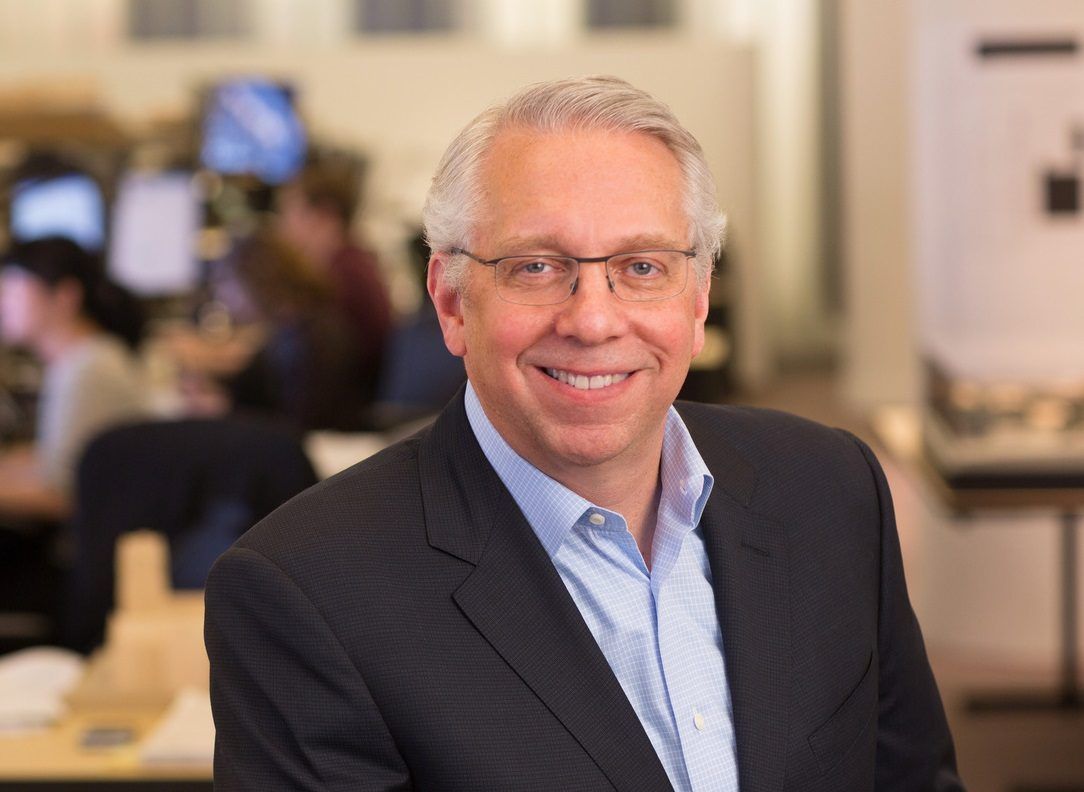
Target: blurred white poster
pixel 155 222
pixel 1000 220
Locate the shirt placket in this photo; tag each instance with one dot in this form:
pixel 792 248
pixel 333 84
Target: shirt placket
pixel 701 723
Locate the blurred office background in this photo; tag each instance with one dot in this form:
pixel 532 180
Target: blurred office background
pixel 903 259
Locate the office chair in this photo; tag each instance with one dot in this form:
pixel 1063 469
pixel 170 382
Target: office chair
pixel 200 482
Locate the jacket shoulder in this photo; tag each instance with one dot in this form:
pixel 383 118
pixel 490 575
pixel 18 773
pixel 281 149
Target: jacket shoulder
pixel 778 452
pixel 756 430
pixel 381 490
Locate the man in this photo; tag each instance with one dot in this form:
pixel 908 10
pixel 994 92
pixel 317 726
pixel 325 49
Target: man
pixel 566 584
pixel 314 214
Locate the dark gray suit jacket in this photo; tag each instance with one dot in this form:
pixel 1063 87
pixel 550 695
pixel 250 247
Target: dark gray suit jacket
pixel 399 626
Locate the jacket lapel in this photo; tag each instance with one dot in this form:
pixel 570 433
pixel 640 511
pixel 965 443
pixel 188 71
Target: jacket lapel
pixel 749 564
pixel 516 599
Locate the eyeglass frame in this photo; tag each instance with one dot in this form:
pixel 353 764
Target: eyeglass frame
pixel 604 260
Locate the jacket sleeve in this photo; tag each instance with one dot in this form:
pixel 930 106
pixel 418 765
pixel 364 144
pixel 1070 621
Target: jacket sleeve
pixel 915 752
pixel 291 710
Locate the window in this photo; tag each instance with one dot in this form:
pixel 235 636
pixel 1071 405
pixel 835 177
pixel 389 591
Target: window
pixel 187 19
pixel 405 16
pixel 602 14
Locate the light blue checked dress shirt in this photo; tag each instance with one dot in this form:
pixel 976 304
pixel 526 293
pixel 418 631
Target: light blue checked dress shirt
pixel 657 628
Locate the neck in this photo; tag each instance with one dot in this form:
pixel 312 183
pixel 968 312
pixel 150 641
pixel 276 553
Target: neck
pixel 607 485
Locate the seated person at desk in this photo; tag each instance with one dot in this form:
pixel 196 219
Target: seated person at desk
pixel 304 369
pixel 419 374
pixel 314 214
pixel 56 300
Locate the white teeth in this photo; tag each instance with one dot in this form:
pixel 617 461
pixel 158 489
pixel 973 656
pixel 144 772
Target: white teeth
pixel 583 382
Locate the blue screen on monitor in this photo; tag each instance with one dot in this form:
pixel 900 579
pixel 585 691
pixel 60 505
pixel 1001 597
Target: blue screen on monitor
pixel 251 127
pixel 69 206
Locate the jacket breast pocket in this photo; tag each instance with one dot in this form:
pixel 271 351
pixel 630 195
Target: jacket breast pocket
pixel 833 739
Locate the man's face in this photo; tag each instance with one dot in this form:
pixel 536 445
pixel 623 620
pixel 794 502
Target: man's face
pixel 295 216
pixel 585 194
pixel 26 306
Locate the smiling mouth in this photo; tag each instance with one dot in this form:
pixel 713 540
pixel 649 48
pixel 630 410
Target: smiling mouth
pixel 584 382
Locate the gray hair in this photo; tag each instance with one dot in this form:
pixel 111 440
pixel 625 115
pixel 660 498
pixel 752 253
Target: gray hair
pixel 601 102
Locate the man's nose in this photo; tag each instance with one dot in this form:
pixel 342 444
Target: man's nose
pixel 592 314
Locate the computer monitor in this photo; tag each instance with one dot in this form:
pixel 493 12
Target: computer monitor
pixel 250 126
pixel 156 219
pixel 68 205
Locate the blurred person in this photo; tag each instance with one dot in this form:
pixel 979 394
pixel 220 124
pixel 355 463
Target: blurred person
pixel 305 369
pixel 419 375
pixel 568 582
pixel 56 300
pixel 314 214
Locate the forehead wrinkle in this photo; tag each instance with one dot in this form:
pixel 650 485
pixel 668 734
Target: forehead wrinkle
pixel 518 244
pixel 529 243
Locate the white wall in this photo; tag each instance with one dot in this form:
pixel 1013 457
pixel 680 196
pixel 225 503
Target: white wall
pixel 789 175
pixel 880 361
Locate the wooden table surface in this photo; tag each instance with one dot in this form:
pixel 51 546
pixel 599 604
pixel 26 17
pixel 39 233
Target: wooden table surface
pixel 58 753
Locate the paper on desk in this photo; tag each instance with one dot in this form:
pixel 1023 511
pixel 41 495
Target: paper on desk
pixel 331 452
pixel 185 734
pixel 33 683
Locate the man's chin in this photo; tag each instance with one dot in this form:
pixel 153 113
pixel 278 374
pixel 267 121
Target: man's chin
pixel 585 446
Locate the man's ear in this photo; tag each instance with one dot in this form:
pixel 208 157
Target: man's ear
pixel 700 313
pixel 449 305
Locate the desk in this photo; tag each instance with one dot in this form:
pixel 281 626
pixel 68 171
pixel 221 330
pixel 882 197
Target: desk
pixel 55 760
pixel 900 431
pixel 1063 494
pixel 1022 493
pixel 1058 494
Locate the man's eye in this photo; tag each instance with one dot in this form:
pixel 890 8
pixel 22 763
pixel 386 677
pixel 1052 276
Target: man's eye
pixel 642 268
pixel 534 267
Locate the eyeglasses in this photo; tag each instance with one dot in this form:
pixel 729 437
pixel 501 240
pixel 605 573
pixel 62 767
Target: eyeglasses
pixel 640 276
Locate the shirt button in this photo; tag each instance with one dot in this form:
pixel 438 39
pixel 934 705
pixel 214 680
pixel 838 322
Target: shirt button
pixel 684 488
pixel 698 721
pixel 596 519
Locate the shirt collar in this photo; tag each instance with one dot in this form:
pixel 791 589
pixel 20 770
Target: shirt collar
pixel 686 480
pixel 552 509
